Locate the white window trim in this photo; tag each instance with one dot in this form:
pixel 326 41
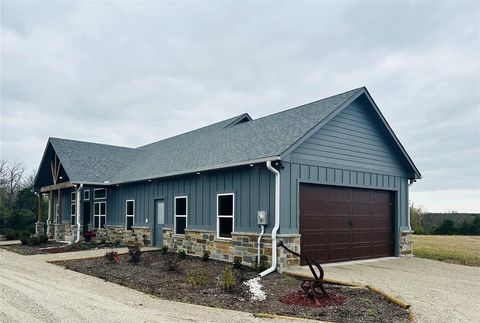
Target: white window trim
pixel 226 216
pixel 99 198
pixel 128 215
pixel 99 215
pixel 175 216
pixel 84 198
pixel 73 197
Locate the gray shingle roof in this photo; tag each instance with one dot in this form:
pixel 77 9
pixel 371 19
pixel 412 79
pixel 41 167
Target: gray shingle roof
pixel 214 146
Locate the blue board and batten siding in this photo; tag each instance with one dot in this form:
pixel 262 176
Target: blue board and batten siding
pixel 353 150
pixel 253 188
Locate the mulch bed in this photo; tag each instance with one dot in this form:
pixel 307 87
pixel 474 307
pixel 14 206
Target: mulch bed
pixel 49 248
pixel 192 280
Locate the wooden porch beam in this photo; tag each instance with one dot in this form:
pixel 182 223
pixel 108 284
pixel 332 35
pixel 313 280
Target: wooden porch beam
pixel 53 187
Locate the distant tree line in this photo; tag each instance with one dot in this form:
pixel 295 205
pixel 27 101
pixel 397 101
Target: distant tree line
pixel 452 223
pixel 18 204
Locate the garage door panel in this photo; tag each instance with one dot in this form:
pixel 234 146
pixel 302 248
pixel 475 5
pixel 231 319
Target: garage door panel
pixel 340 223
pixel 361 237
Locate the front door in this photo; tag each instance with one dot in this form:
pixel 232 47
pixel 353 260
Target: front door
pixel 159 220
pixel 86 215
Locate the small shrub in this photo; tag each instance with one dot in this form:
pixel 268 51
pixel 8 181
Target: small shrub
pixel 263 265
pixel 33 241
pixel 206 256
pixel 12 234
pixel 237 263
pixel 135 253
pixel 103 241
pixel 43 238
pixel 146 240
pixel 25 238
pixel 182 254
pixel 118 243
pixel 197 278
pixel 112 256
pixel 164 249
pixel 226 280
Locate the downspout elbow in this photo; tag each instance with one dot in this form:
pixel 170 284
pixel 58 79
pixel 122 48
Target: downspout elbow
pixel 277 220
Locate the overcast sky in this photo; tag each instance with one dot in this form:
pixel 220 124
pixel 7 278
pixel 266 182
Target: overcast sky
pixel 129 73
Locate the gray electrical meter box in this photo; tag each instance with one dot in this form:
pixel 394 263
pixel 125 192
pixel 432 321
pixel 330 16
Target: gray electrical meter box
pixel 262 217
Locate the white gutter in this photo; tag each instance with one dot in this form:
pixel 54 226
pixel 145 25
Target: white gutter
pixel 277 220
pixel 77 215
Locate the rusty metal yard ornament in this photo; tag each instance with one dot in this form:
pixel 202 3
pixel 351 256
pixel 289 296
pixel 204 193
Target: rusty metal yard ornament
pixel 313 287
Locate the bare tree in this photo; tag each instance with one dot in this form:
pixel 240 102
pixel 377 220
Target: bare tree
pixel 29 179
pixel 13 180
pixel 3 172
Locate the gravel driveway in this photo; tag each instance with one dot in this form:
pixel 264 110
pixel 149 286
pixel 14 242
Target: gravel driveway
pixel 32 290
pixel 437 291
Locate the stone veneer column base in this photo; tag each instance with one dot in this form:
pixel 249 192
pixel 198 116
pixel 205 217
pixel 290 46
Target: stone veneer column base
pixel 406 243
pixel 59 231
pixel 51 230
pixel 118 233
pixel 39 228
pixel 243 246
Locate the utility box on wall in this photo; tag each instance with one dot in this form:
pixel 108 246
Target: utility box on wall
pixel 262 217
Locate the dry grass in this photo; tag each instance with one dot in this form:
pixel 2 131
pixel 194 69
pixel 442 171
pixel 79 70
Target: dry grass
pixel 463 250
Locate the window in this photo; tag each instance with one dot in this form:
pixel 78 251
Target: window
pixel 73 195
pixel 99 214
pixel 225 215
pixel 181 210
pixel 86 195
pixel 73 212
pixel 99 193
pixel 130 213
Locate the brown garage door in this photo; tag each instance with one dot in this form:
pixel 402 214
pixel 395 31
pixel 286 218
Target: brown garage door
pixel 340 223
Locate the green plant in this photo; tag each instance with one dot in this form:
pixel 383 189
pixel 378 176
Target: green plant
pixel 263 265
pixel 11 234
pixel 25 238
pixel 182 254
pixel 33 241
pixel 206 256
pixel 226 280
pixel 103 241
pixel 118 243
pixel 134 251
pixel 197 278
pixel 237 263
pixel 146 240
pixel 43 238
pixel 112 256
pixel 164 249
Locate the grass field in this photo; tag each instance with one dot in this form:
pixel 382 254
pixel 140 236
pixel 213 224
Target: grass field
pixel 463 250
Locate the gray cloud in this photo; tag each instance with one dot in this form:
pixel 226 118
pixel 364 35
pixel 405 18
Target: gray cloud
pixel 129 73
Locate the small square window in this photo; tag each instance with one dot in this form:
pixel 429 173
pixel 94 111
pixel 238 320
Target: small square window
pixel 129 222
pixel 86 195
pixel 73 196
pixel 181 206
pixel 180 225
pixel 99 193
pixel 73 210
pixel 225 205
pixel 225 227
pixel 180 214
pixel 130 207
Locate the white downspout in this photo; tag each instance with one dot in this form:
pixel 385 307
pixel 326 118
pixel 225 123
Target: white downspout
pixel 77 199
pixel 277 220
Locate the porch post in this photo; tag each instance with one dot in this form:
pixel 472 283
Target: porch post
pixel 51 207
pixel 50 225
pixel 39 211
pixel 60 213
pixel 39 226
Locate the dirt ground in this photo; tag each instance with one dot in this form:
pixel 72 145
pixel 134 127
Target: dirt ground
pixel 191 280
pixel 437 291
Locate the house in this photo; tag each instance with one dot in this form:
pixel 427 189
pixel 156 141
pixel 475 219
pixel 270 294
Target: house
pixel 330 176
